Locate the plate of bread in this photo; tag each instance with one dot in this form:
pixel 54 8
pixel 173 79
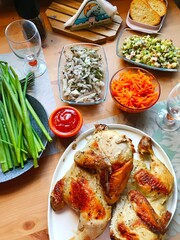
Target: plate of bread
pixel 112 182
pixel 147 15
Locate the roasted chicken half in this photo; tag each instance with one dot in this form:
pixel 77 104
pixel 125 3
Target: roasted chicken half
pixel 141 213
pixel 97 177
pixel 110 154
pixel 83 193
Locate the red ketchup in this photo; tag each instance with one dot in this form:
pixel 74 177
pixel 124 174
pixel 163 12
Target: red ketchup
pixel 65 120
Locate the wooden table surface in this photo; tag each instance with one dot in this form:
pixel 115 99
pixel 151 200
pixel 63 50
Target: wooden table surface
pixel 23 201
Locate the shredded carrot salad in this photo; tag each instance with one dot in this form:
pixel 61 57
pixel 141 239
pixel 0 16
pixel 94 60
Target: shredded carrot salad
pixel 134 90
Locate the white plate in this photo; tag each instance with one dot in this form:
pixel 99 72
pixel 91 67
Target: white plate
pixel 62 225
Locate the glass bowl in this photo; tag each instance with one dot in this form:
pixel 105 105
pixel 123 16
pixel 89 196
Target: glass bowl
pixel 130 46
pixel 134 89
pixel 83 74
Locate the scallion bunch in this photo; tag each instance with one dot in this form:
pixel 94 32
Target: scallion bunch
pixel 18 139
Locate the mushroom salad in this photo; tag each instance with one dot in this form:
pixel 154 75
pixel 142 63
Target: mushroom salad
pixel 83 75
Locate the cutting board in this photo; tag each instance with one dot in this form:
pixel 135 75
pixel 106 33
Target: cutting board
pixel 60 11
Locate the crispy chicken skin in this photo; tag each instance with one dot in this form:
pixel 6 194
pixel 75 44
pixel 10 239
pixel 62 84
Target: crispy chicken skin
pixel 141 213
pixel 98 175
pixel 147 214
pixel 83 193
pixel 111 155
pixel 135 219
pixel 157 181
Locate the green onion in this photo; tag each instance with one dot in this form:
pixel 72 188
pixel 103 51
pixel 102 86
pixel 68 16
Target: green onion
pixel 38 121
pixel 18 139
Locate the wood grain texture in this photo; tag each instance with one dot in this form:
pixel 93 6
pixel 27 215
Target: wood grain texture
pixel 82 35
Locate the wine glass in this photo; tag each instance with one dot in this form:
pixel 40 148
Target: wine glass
pixel 24 40
pixel 169 119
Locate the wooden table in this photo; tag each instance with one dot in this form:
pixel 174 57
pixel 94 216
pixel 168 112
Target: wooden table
pixel 23 201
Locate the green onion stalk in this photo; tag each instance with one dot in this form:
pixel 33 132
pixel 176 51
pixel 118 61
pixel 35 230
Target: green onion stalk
pixel 18 139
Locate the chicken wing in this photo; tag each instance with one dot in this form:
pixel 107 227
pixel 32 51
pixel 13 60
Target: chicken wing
pixel 135 219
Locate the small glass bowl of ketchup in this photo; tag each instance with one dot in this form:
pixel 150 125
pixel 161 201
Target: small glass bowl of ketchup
pixel 65 121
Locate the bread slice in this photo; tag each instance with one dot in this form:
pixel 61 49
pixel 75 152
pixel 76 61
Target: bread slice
pixel 140 11
pixel 159 6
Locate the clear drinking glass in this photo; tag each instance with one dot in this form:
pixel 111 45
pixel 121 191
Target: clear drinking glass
pixel 24 40
pixel 169 119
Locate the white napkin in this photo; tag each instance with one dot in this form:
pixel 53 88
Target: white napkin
pixel 108 8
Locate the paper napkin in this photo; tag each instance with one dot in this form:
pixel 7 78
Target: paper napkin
pixel 90 13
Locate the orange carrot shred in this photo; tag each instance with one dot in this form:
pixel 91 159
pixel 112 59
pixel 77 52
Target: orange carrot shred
pixel 135 90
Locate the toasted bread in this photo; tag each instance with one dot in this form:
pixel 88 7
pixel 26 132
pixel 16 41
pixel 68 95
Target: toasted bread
pixel 159 6
pixel 141 11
